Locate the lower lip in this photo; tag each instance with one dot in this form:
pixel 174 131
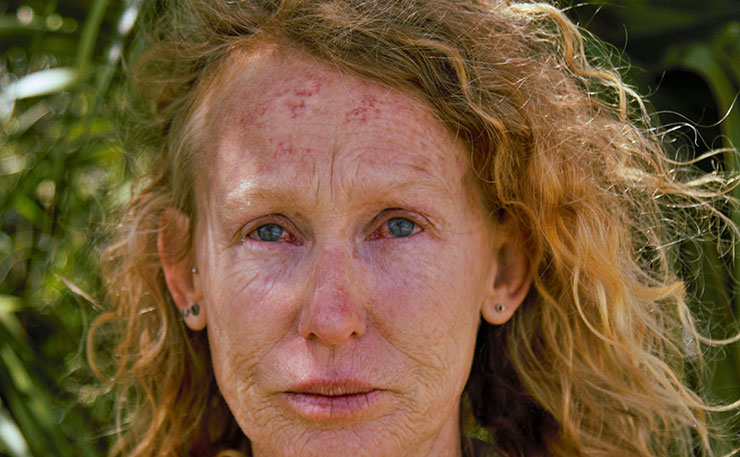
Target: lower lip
pixel 326 407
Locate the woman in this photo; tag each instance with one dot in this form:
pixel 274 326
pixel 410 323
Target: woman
pixel 372 227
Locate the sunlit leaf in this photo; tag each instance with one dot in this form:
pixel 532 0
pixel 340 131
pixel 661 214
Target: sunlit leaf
pixel 11 436
pixel 35 84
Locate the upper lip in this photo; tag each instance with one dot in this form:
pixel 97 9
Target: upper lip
pixel 332 387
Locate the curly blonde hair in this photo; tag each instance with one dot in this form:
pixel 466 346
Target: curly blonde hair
pixel 591 365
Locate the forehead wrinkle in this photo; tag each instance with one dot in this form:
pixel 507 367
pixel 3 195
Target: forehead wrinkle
pixel 360 189
pixel 419 180
pixel 431 170
pixel 332 161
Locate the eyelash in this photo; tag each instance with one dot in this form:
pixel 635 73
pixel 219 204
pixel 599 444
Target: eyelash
pixel 285 234
pixel 376 235
pixel 250 232
pixel 387 216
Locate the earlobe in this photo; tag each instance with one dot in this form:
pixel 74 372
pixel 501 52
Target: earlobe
pixel 497 314
pixel 510 282
pixel 193 317
pixel 177 265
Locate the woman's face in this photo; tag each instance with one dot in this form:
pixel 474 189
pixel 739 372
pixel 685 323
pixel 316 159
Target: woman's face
pixel 344 258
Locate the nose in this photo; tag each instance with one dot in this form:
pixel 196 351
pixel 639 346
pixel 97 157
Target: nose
pixel 333 313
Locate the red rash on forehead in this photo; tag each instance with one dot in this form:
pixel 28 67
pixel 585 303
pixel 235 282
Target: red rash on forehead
pixel 292 97
pixel 297 97
pixel 368 107
pixel 294 122
pixel 296 104
pixel 284 148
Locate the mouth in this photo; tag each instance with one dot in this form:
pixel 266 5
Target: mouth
pixel 333 400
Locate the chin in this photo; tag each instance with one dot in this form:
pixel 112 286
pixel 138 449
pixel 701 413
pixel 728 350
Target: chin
pixel 345 442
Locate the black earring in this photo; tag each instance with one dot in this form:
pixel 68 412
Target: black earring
pixel 194 310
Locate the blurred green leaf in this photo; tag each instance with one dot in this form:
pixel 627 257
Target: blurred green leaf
pixel 707 61
pixel 28 209
pixel 90 35
pixel 9 304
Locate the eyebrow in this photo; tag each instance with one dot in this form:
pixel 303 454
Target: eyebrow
pixel 246 196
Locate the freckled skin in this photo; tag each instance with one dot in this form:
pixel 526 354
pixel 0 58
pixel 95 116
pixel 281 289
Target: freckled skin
pixel 339 297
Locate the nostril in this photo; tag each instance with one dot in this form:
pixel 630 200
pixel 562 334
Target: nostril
pixel 331 322
pixel 332 312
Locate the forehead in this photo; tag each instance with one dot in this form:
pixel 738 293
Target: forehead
pixel 275 115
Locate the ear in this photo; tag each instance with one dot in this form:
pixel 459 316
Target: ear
pixel 179 267
pixel 511 278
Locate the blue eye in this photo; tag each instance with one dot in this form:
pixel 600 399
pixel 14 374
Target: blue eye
pixel 400 227
pixel 269 232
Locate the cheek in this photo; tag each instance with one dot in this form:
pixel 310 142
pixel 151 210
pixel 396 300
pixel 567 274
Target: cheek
pixel 427 299
pixel 250 308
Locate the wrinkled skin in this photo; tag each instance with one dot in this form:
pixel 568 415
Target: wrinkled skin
pixel 339 334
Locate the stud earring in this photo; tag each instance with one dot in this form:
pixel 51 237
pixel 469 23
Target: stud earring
pixel 500 308
pixel 194 270
pixel 194 310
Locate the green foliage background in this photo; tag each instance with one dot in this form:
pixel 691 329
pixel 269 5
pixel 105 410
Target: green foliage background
pixel 62 169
